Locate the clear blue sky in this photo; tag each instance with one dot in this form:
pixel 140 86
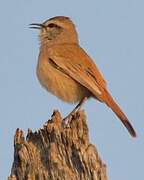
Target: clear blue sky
pixel 112 32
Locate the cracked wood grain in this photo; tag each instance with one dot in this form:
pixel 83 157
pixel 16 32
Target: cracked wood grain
pixel 57 153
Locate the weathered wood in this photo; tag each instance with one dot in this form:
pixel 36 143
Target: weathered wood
pixel 57 153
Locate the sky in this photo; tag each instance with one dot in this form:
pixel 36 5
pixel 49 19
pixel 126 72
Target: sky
pixel 112 33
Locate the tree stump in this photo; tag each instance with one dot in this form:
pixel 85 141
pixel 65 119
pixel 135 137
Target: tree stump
pixel 57 153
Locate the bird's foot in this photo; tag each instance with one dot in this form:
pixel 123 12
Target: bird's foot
pixel 67 120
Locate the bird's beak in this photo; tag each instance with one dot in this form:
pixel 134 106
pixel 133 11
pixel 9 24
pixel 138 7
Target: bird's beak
pixel 36 26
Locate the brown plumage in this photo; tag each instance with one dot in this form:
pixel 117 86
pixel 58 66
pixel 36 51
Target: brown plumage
pixel 66 70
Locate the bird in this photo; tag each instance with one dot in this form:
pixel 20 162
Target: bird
pixel 67 71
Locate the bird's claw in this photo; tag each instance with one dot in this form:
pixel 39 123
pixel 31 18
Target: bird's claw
pixel 66 121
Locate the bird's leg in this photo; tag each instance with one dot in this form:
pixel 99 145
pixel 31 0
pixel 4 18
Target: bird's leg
pixel 79 105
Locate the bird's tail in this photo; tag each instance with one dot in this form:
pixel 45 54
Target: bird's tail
pixel 116 109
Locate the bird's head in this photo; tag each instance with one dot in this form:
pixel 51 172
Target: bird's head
pixel 56 30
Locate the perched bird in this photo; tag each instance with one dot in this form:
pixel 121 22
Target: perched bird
pixel 67 71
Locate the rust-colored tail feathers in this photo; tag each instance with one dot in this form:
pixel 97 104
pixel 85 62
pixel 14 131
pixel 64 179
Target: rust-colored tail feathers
pixel 116 109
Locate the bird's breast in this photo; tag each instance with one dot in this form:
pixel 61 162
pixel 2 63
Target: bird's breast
pixel 58 82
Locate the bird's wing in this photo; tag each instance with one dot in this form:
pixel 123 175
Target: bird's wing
pixel 73 61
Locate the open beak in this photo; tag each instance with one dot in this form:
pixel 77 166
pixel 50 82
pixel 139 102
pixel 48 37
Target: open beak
pixel 36 26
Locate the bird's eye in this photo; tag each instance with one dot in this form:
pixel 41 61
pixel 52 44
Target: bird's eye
pixel 51 25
